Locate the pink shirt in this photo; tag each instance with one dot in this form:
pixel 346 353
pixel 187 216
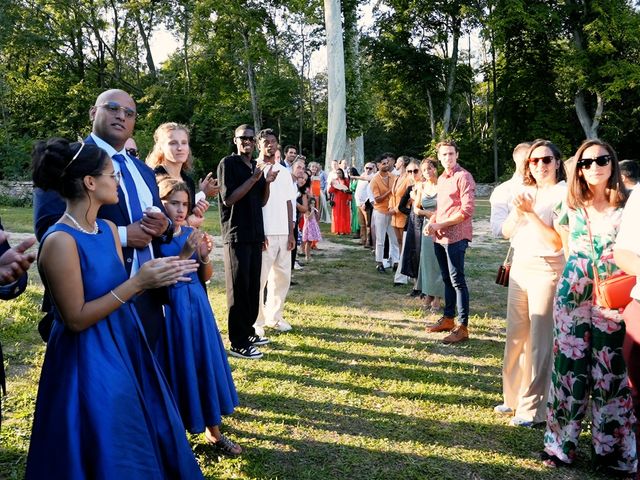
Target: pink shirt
pixel 456 193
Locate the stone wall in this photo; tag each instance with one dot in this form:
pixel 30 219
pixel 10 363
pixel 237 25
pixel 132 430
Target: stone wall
pixel 18 191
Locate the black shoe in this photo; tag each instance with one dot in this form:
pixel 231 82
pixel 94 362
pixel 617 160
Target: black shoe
pixel 258 340
pixel 395 267
pixel 380 269
pixel 398 284
pixel 292 283
pixel 250 353
pixel 414 293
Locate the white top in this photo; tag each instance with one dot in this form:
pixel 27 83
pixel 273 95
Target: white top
pixel 331 176
pixel 629 232
pixel 144 194
pixel 361 194
pixel 502 202
pixel 274 213
pixel 528 240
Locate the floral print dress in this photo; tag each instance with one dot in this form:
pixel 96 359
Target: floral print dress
pixel 588 363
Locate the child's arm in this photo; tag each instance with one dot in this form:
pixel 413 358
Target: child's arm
pixel 316 212
pixel 205 271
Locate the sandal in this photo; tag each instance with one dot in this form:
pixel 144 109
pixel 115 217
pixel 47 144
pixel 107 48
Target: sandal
pixel 551 461
pixel 225 446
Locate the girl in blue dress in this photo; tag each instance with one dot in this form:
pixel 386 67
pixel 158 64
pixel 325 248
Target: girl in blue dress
pixel 104 409
pixel 192 354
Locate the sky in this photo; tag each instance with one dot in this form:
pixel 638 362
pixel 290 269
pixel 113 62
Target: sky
pixel 163 43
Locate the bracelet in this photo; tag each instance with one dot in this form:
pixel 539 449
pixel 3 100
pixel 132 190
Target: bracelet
pixel 207 262
pixel 117 297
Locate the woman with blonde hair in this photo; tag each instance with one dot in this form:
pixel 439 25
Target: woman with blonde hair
pixel 171 157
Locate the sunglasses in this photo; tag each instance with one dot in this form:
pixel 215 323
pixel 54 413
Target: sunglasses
pixel 546 160
pixel 133 152
pixel 413 171
pixel 249 139
pixel 368 168
pixel 601 161
pixel 115 107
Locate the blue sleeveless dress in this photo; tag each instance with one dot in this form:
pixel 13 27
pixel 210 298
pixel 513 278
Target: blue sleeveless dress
pixel 104 409
pixel 192 353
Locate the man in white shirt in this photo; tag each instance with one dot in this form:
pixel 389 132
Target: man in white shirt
pixel 361 196
pixel 277 215
pixel 502 196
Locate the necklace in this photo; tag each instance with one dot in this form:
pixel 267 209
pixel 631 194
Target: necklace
pixel 79 227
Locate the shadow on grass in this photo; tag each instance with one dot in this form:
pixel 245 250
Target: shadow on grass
pixel 328 455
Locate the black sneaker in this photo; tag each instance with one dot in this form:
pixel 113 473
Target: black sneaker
pixel 381 269
pixel 258 340
pixel 250 353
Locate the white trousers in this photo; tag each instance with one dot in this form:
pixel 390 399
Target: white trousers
pixel 528 349
pixel 276 276
pixel 382 225
pixel 399 276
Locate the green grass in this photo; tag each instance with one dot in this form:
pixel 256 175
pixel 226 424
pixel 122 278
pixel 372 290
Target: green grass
pixel 358 390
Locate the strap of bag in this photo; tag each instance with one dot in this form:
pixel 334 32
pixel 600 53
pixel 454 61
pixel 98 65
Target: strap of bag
pixel 596 275
pixel 507 260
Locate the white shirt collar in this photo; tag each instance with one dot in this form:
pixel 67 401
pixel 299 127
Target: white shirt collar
pixel 106 147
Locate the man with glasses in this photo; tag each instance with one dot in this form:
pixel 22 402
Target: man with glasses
pixel 452 231
pixel 244 189
pixel 139 214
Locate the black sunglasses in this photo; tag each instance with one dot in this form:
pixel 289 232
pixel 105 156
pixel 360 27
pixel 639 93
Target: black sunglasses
pixel 601 161
pixel 250 139
pixel 115 107
pixel 413 171
pixel 133 152
pixel 546 160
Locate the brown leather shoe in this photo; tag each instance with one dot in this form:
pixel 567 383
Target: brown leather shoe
pixel 458 334
pixel 444 324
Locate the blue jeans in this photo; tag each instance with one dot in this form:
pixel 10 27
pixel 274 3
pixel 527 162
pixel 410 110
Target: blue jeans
pixel 456 294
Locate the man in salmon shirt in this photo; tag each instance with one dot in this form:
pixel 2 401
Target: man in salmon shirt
pixel 381 184
pixel 452 231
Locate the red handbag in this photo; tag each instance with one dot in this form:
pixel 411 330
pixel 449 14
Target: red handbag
pixel 614 292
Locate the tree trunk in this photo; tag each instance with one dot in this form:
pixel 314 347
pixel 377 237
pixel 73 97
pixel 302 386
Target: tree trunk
pixel 257 124
pixel 145 41
pixel 451 77
pixel 337 117
pixel 432 120
pixel 589 126
pixel 301 104
pixel 494 112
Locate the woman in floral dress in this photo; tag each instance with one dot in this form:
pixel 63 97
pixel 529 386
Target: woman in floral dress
pixel 588 364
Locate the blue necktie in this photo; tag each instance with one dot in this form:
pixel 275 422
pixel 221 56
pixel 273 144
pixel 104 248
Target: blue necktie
pixel 144 255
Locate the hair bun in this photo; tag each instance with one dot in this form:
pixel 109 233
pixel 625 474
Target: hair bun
pixel 49 160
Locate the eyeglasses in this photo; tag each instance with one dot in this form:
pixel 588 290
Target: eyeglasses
pixel 546 160
pixel 115 107
pixel 133 152
pixel 248 139
pixel 115 175
pixel 368 168
pixel 601 161
pixel 413 171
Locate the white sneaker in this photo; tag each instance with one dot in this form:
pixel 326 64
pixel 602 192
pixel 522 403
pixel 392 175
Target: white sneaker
pixel 259 330
pixel 281 325
pixel 297 266
pixel 502 409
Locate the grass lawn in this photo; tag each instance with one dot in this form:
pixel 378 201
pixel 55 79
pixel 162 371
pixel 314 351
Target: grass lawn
pixel 358 390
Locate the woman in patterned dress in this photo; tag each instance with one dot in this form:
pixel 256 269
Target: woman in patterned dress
pixel 588 363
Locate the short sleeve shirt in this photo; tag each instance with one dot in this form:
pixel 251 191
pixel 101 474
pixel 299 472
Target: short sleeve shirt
pixel 242 221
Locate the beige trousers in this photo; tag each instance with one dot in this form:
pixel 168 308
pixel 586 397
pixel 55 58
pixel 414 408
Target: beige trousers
pixel 276 276
pixel 528 350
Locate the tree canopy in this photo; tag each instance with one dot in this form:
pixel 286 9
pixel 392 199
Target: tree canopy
pixel 415 72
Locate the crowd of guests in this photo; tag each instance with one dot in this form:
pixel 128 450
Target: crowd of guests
pixel 134 357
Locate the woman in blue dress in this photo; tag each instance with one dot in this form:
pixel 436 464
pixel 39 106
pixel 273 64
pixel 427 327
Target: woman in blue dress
pixel 192 354
pixel 104 409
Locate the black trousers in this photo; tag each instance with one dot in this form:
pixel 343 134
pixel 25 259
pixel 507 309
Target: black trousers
pixel 242 265
pixel 149 307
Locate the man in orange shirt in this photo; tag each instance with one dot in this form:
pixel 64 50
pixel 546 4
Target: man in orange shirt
pixel 381 184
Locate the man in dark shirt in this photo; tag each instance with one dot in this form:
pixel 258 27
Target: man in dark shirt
pixel 243 191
